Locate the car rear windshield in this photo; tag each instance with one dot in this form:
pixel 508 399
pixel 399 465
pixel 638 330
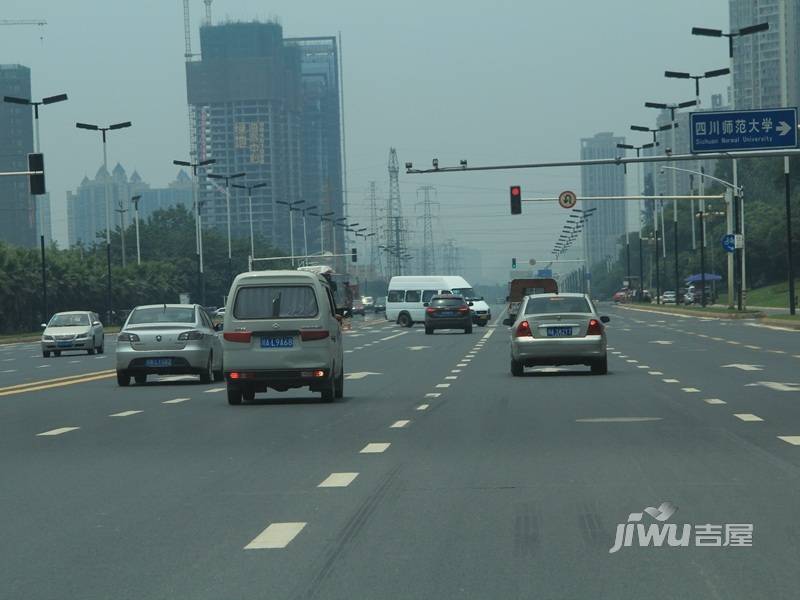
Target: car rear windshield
pixel 557 304
pixel 162 314
pixel 447 302
pixel 69 320
pixel 276 302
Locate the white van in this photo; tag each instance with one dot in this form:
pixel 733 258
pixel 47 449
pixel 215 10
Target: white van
pixel 409 294
pixel 281 331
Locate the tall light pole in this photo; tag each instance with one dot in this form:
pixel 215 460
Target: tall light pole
pixel 250 189
pixel 227 180
pixel 198 228
pixel 103 131
pixel 121 210
pixel 322 218
pixel 738 202
pixel 135 200
pixel 291 221
pixel 305 209
pixel 38 148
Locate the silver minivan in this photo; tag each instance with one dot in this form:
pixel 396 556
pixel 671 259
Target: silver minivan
pixel 281 331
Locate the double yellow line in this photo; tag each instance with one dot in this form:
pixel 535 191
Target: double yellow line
pixel 46 384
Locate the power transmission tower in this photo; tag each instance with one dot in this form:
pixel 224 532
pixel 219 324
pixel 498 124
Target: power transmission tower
pixel 394 215
pixel 374 249
pixel 428 258
pixel 451 257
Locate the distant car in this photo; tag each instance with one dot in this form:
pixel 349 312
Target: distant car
pixel 380 305
pixel 481 313
pixel 558 329
pixel 76 330
pixel 447 312
pixel 358 308
pixel 174 339
pixel 669 297
pixel 219 313
pixel 621 296
pixel 368 302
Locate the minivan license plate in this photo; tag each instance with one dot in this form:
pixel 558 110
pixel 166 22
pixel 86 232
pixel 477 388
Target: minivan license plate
pixel 277 342
pixel 559 331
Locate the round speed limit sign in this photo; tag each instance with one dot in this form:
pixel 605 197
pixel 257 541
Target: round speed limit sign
pixel 567 199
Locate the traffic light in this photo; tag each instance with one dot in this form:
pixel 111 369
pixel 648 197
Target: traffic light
pixel 516 200
pixel 354 255
pixel 513 263
pixel 36 182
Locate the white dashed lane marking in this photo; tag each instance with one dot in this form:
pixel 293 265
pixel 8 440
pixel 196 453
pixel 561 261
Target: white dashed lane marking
pixel 175 400
pixel 338 480
pixel 423 407
pixel 690 390
pixel 714 401
pixel 212 390
pixel 670 381
pixel 126 413
pixel 58 431
pixel 277 535
pixel 432 395
pixel 747 417
pixel 794 440
pixel 374 448
pixel 399 424
pixel 442 385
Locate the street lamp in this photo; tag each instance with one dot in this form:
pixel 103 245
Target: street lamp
pixel 38 148
pixel 655 131
pixel 304 210
pixel 198 232
pixel 227 179
pixel 250 189
pixel 103 131
pixel 135 200
pixel 697 78
pixel 122 212
pixel 291 220
pixel 750 29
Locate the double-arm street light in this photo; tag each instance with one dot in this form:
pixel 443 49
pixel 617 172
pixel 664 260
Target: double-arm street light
pixel 655 131
pixel 291 220
pixel 198 227
pixel 305 210
pixel 103 131
pixel 38 148
pixel 697 78
pixel 250 189
pixel 227 180
pixel 322 218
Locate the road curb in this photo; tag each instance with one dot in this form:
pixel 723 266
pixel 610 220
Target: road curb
pixel 695 313
pixel 779 323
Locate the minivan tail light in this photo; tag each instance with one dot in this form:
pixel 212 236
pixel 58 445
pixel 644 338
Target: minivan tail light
pixel 308 335
pixel 594 328
pixel 243 337
pixel 523 330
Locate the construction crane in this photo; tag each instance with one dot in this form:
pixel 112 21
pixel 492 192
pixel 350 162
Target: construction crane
pixel 208 11
pixel 40 22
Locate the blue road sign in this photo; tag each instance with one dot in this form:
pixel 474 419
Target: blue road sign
pixel 764 129
pixel 544 273
pixel 728 242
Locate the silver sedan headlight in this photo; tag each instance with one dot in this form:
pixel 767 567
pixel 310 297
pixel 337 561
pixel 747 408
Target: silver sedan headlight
pixel 47 338
pixel 82 336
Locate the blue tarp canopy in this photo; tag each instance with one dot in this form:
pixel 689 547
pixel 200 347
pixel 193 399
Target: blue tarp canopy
pixel 699 277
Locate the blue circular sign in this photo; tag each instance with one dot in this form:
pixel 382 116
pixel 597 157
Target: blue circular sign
pixel 728 242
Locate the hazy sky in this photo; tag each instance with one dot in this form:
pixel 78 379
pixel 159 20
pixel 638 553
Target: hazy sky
pixel 508 81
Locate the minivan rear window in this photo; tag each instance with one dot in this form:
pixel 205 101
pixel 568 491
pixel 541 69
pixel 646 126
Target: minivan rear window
pixel 276 302
pixel 395 295
pixel 557 304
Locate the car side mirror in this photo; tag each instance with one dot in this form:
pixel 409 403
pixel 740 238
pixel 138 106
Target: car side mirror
pixel 217 326
pixel 425 303
pixel 338 317
pixel 44 325
pixel 508 321
pixel 605 319
pixel 96 323
pixel 471 303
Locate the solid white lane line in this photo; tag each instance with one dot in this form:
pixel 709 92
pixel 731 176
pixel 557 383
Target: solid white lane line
pixel 338 480
pixel 442 385
pixel 747 417
pixel 277 535
pixel 714 401
pixel 794 440
pixel 433 395
pixel 58 431
pixel 374 448
pixel 126 413
pixel 212 390
pixel 618 419
pixel 399 424
pixel 670 381
pixel 175 400
pixel 690 390
pixel 423 407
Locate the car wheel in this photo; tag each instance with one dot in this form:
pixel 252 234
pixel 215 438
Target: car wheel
pixel 329 391
pixel 219 375
pixel 207 375
pixel 468 329
pixel 45 353
pixel 429 330
pixel 140 379
pixel 90 351
pixel 339 392
pixel 483 323
pixel 102 348
pixel 600 367
pixel 123 379
pixel 57 353
pixel 404 320
pixel 234 396
pixel 517 369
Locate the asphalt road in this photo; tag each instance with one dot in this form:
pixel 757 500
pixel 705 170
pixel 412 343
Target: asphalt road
pixel 437 476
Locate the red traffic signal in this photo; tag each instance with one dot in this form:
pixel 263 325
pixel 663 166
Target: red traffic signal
pixel 516 200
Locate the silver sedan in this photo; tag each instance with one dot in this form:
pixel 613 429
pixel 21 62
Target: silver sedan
pixel 74 330
pixel 168 339
pixel 558 329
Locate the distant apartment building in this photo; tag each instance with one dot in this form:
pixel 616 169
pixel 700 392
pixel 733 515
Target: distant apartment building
pixel 268 107
pixel 86 206
pixel 766 65
pixel 17 206
pixel 607 224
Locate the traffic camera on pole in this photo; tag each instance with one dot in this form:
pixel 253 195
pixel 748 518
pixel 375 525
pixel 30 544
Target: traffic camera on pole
pixel 36 177
pixel 354 255
pixel 516 200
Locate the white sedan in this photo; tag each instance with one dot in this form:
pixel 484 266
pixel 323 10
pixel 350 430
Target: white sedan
pixel 75 330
